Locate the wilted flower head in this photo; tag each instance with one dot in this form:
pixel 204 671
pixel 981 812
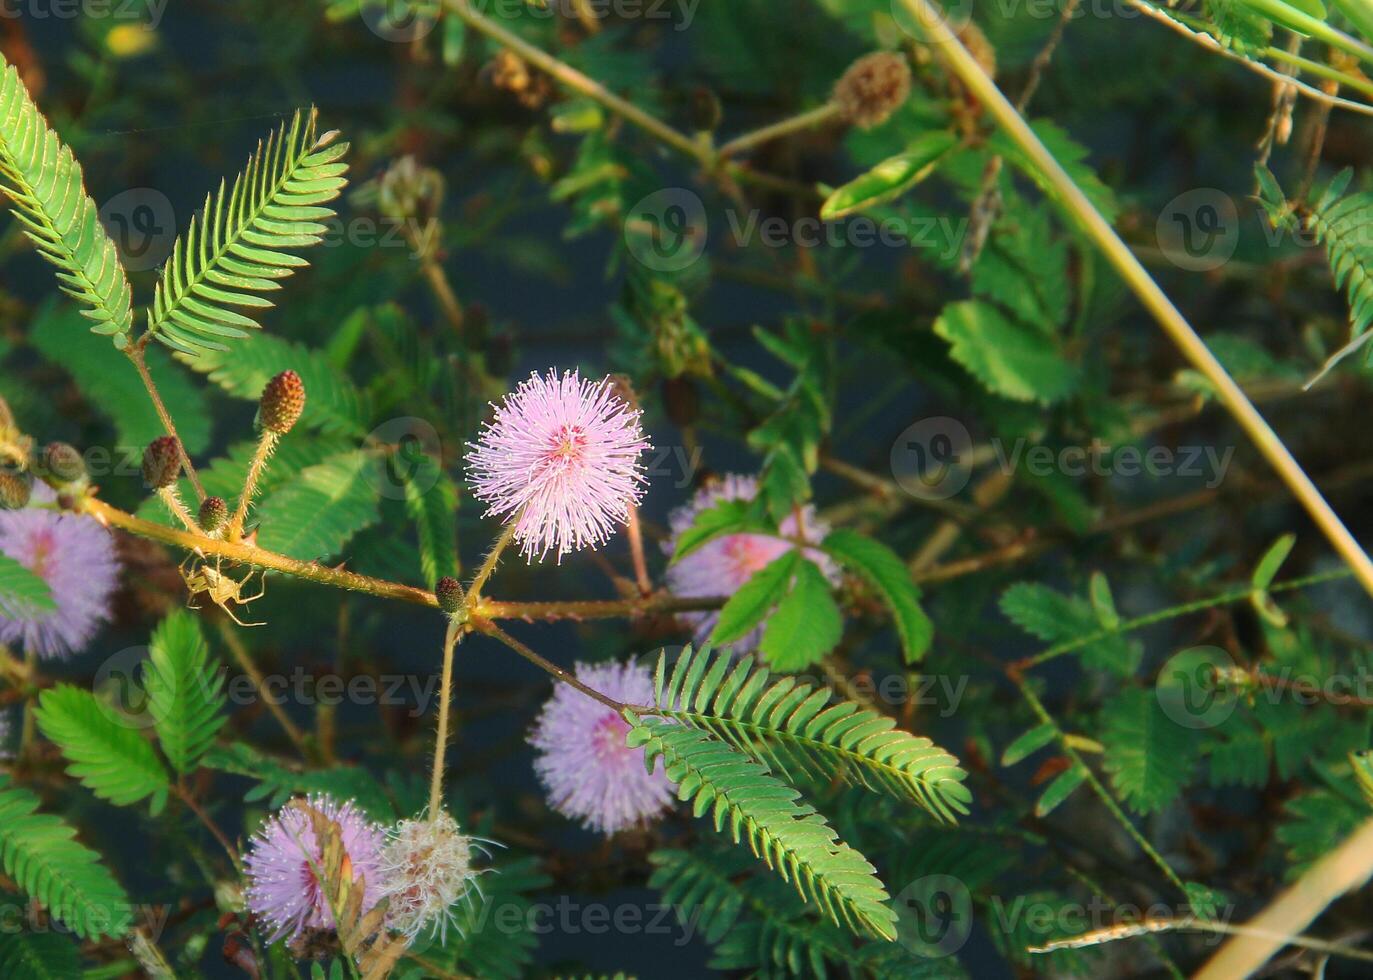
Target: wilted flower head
pixel 587 770
pixel 720 566
pixel 75 555
pixel 427 870
pixel 563 454
pixel 283 887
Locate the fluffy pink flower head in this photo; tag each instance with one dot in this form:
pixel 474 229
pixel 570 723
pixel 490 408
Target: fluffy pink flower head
pixel 75 555
pixel 562 453
pixel 283 889
pixel 721 566
pixel 587 770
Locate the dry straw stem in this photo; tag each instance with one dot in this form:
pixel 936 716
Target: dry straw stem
pixel 1347 867
pixel 1070 197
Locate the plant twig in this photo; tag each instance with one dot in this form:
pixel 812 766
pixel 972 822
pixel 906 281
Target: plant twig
pixel 579 82
pixel 1342 870
pixel 783 127
pixel 1075 203
pixel 246 663
pixel 544 664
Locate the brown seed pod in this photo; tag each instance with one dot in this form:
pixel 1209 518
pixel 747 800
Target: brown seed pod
pixel 283 399
pixel 873 88
pixel 161 462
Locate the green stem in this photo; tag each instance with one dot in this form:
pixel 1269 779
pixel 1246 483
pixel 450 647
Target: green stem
pixel 1076 204
pixel 1173 612
pixel 1098 788
pixel 783 127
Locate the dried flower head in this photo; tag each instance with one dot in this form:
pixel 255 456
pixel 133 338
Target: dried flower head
pixel 161 462
pixel 75 555
pixel 427 870
pixel 561 457
pixel 214 514
pixel 873 88
pixel 588 772
pixel 283 399
pixel 720 566
pixel 283 886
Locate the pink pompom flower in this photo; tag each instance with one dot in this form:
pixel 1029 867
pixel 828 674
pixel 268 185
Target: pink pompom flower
pixel 720 566
pixel 561 457
pixel 588 772
pixel 283 888
pixel 75 555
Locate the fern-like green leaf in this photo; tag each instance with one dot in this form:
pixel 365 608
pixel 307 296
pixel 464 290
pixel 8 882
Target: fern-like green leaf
pixel 790 725
pixel 431 499
pixel 317 512
pixel 110 758
pixel 37 850
pixel 1150 757
pixel 43 180
pixel 1340 224
pixel 242 243
pixel 185 691
pixel 116 392
pixel 38 956
pixel 790 836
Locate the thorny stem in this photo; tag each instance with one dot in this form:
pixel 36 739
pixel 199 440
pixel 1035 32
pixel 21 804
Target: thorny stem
pixel 1071 199
pixel 490 562
pixel 636 552
pixel 135 354
pixel 171 498
pixel 783 127
pixel 266 445
pixel 452 637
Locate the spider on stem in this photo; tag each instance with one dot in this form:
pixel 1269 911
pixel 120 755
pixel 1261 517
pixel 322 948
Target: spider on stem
pixel 221 588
